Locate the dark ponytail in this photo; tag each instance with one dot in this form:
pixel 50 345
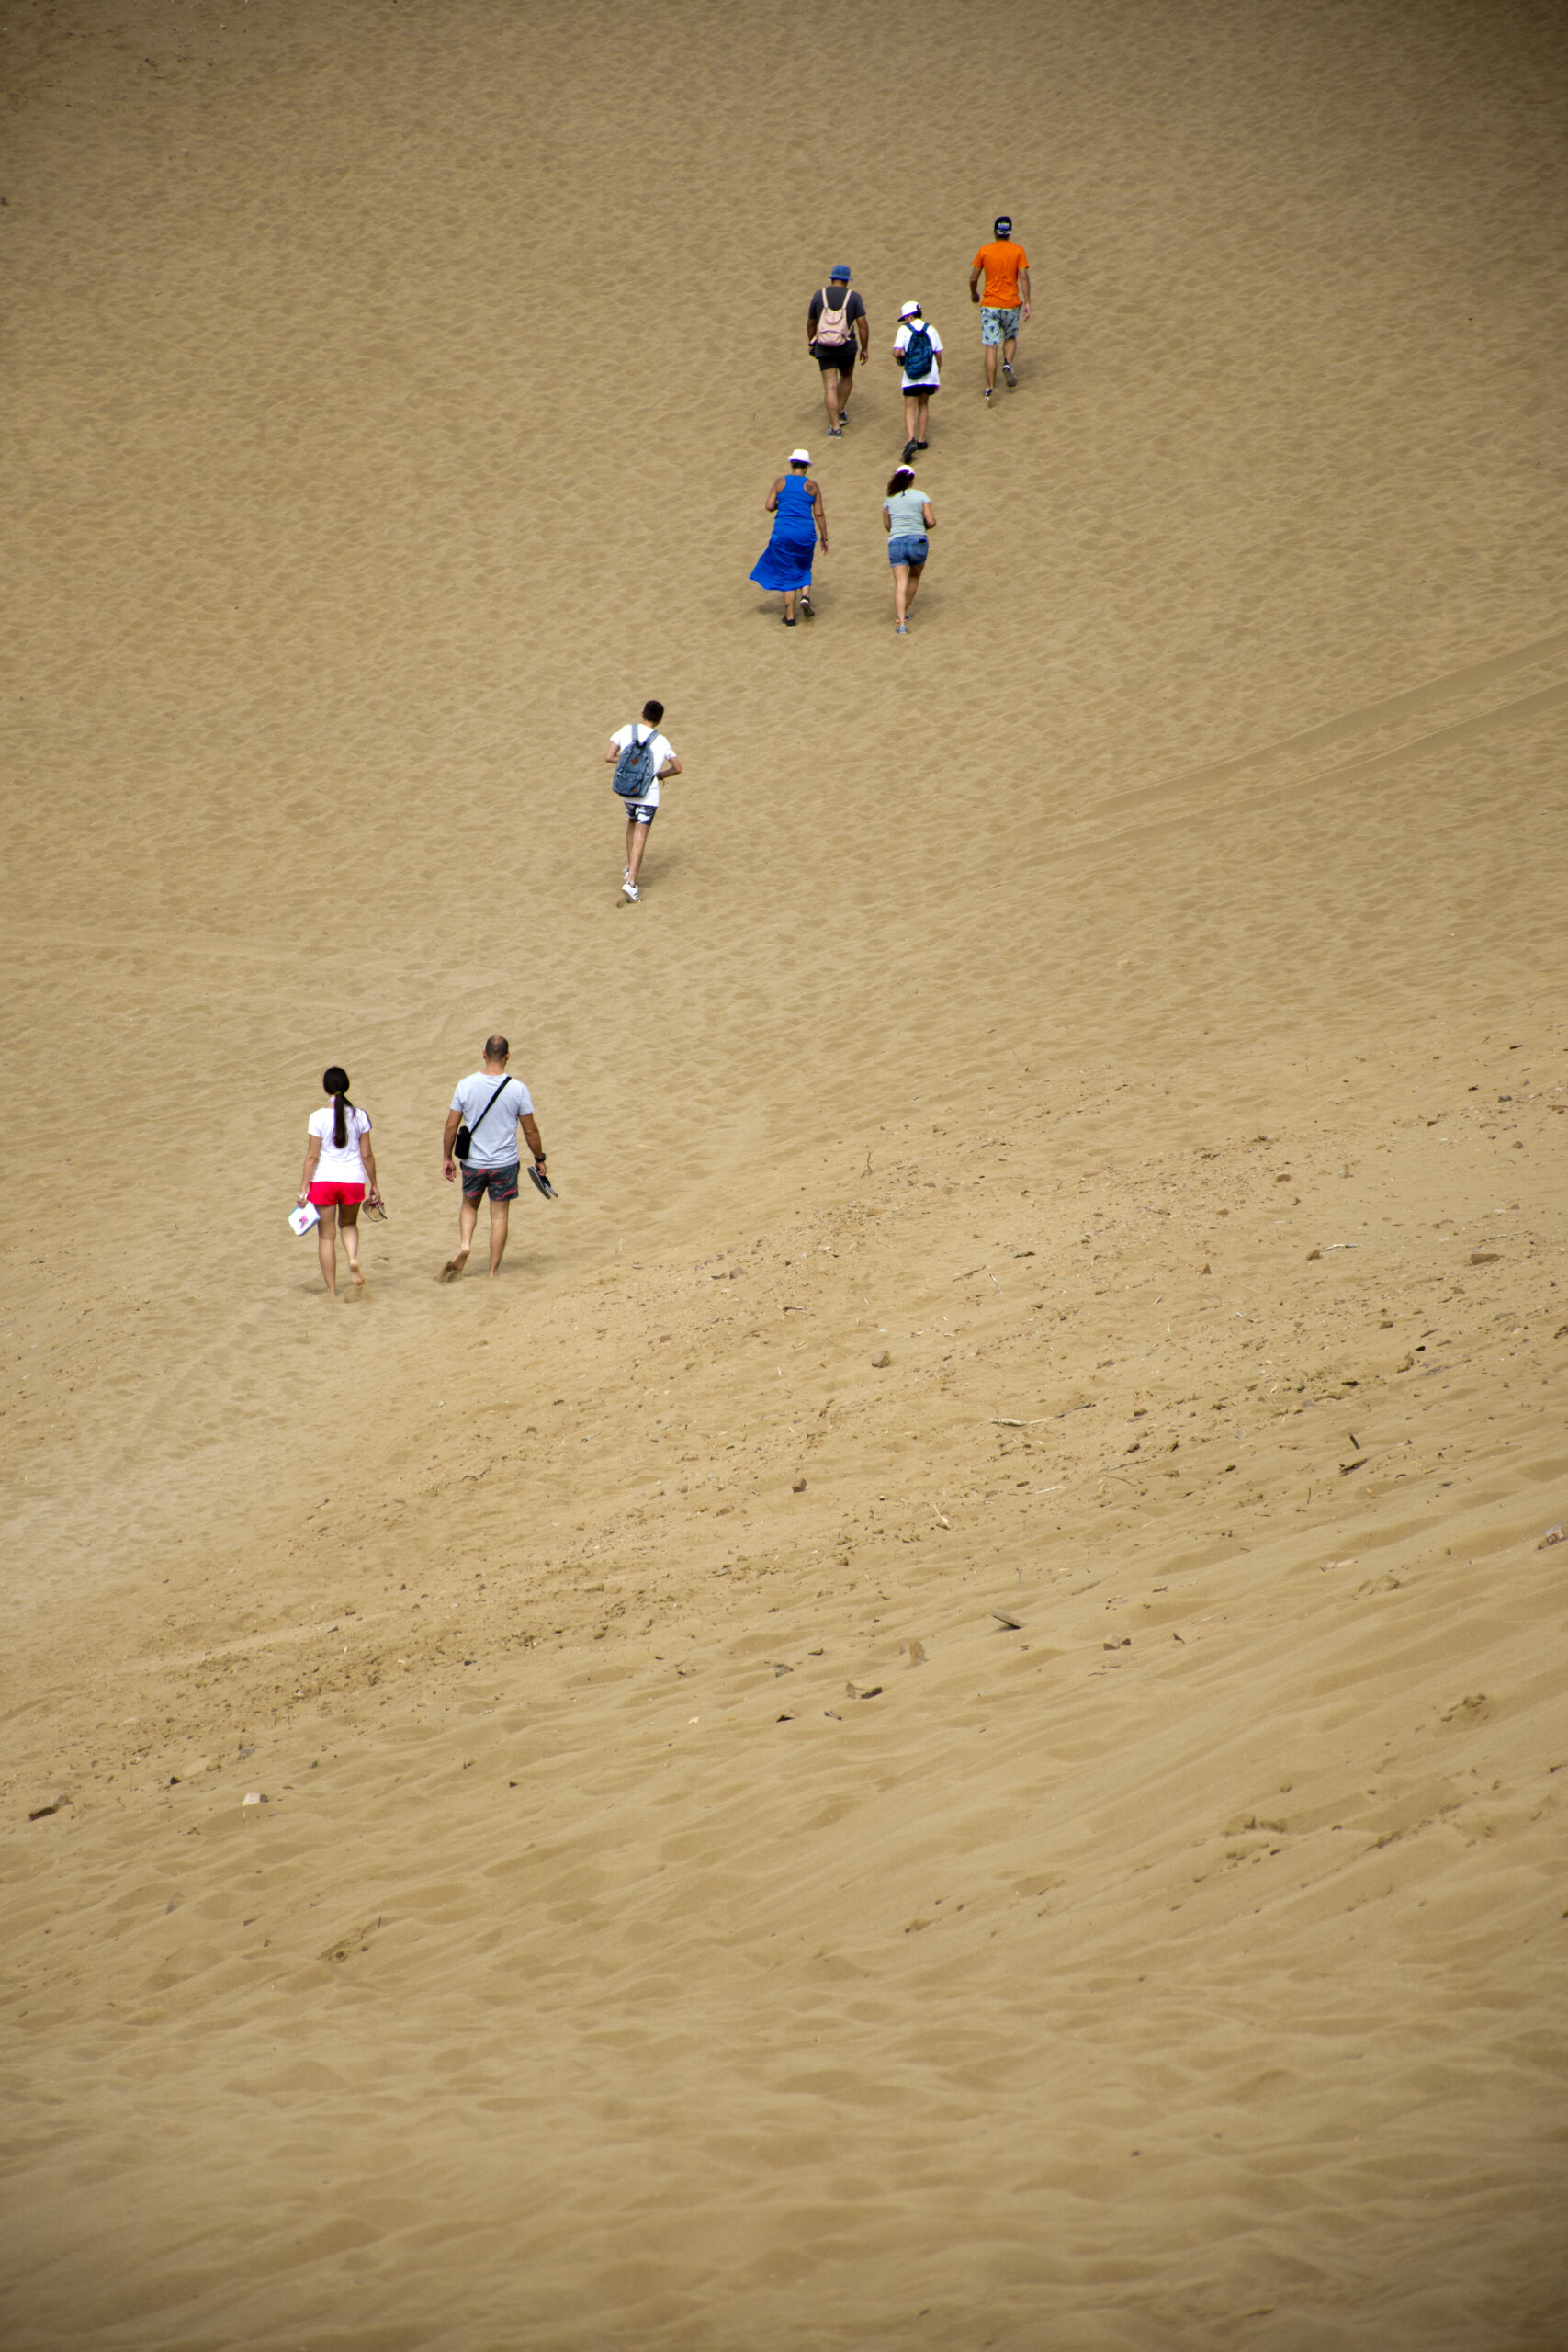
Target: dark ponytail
pixel 903 478
pixel 335 1081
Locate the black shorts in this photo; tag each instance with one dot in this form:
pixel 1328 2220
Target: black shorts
pixel 842 355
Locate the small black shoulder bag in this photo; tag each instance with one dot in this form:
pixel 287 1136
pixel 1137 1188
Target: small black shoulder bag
pixel 463 1141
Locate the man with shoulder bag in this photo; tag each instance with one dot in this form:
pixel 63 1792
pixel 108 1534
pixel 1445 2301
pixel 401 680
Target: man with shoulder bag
pixel 480 1136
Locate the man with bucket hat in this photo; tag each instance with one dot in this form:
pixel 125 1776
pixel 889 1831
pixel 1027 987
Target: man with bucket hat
pixel 837 333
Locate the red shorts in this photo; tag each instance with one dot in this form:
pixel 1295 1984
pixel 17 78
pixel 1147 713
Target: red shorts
pixel 337 1196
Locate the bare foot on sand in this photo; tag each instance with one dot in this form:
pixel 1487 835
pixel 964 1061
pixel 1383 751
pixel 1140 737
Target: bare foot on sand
pixel 454 1266
pixel 356 1274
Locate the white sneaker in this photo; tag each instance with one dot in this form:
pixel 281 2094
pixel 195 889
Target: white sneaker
pixel 629 890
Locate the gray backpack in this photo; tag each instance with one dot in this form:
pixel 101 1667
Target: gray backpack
pixel 635 769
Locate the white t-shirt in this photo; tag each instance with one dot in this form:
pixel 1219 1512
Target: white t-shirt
pixel 335 1167
pixel 931 379
pixel 493 1139
pixel 662 751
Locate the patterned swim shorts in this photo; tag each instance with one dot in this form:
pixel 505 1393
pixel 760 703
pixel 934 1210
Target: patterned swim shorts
pixel 998 326
pixel 501 1183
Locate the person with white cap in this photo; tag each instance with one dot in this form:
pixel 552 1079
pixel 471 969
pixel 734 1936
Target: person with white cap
pixel 918 348
pixel 834 317
pixel 1005 267
pixel 795 504
pixel 907 520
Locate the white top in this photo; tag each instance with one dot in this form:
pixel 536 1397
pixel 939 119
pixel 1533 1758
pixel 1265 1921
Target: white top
pixel 492 1140
pixel 662 751
pixel 335 1167
pixel 931 379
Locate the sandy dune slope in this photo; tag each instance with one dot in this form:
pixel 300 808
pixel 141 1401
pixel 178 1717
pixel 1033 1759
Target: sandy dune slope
pixel 939 1721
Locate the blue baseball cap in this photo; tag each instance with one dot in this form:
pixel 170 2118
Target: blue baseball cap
pixel 842 270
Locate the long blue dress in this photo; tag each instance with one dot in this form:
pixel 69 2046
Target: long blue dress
pixel 785 561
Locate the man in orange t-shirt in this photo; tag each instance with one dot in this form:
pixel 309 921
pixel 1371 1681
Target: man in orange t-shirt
pixel 1006 300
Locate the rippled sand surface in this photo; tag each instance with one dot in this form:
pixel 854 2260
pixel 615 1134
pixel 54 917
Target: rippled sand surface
pixel 938 1722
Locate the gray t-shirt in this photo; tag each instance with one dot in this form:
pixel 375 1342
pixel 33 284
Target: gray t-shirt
pixel 906 508
pixel 493 1136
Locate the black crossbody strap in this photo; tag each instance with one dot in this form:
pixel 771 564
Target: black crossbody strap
pixel 489 1107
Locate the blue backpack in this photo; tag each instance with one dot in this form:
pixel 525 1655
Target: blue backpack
pixel 917 353
pixel 634 769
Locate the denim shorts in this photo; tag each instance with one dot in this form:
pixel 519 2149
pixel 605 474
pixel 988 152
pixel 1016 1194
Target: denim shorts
pixel 998 326
pixel 908 547
pixel 641 812
pixel 500 1182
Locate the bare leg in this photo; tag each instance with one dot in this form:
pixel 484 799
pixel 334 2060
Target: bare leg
pixel 923 418
pixel 467 1217
pixel 993 351
pixel 846 386
pixel 900 591
pixel 498 1213
pixel 916 570
pixel 1010 349
pixel 636 845
pixel 349 1220
pixel 789 596
pixel 912 413
pixel 326 1245
pixel 830 381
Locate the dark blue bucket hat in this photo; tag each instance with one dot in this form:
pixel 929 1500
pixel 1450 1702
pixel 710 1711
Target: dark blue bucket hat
pixel 842 270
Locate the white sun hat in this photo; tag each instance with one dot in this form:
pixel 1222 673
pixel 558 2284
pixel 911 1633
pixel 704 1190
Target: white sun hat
pixel 910 311
pixel 800 457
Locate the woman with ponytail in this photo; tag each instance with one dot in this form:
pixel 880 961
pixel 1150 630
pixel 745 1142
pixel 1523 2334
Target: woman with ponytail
pixel 340 1176
pixel 907 520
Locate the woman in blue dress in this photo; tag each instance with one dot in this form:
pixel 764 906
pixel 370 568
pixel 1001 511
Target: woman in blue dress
pixel 795 504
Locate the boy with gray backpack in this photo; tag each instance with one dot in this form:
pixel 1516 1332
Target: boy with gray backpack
pixel 640 755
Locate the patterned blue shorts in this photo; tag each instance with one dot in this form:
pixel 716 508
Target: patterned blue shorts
pixel 998 326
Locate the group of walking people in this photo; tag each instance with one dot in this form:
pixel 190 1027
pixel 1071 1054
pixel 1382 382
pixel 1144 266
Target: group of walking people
pixel 838 335
pixel 479 1141
pixel 491 1107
